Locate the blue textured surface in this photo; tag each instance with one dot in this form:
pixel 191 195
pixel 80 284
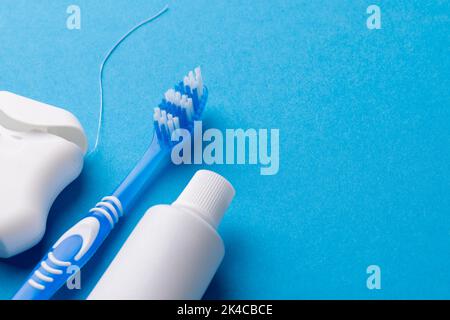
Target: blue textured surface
pixel 363 118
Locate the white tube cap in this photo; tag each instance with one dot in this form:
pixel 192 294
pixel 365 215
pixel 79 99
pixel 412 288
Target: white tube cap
pixel 209 194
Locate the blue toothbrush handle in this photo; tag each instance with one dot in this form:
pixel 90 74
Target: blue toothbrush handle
pixel 71 251
pixel 79 243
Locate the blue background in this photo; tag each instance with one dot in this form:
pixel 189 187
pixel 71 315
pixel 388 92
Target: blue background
pixel 363 116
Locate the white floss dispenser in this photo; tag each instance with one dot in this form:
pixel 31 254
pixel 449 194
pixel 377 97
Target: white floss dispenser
pixel 175 250
pixel 41 152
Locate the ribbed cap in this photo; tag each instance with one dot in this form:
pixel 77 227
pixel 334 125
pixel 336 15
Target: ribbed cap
pixel 208 193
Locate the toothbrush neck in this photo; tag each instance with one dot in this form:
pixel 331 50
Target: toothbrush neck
pixel 146 169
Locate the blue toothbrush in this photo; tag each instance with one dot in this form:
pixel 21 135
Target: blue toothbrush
pixel 180 107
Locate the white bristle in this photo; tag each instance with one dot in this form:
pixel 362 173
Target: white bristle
pixel 170 126
pixel 176 122
pixel 162 117
pixel 167 95
pixel 156 113
pixel 190 106
pixel 183 104
pixel 192 83
pixel 183 100
pixel 174 97
pixel 198 76
pixel 171 95
pixel 161 123
pixel 186 81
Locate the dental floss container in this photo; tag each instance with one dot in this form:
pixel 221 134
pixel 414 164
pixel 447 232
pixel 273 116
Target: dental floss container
pixel 175 250
pixel 41 152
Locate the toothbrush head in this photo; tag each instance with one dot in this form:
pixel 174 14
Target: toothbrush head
pixel 180 107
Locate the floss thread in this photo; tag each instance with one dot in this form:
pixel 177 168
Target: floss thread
pixel 105 60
